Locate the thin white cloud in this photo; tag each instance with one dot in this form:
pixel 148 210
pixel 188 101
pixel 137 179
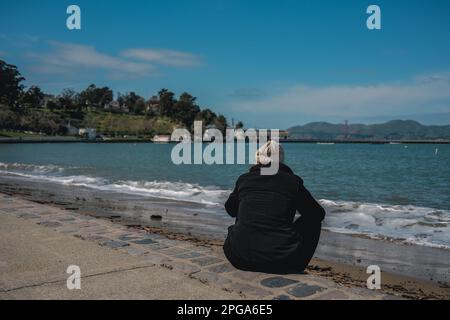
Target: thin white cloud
pixel 429 93
pixel 163 56
pixel 69 57
pixel 23 41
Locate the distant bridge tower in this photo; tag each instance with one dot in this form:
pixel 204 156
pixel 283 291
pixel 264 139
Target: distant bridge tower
pixel 346 130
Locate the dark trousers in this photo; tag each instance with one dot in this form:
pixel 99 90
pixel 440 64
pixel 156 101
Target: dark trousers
pixel 309 232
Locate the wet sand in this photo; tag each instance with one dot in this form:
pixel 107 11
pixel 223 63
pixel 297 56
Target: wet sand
pixel 411 271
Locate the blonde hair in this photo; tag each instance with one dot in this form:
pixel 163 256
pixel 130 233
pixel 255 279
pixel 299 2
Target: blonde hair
pixel 264 154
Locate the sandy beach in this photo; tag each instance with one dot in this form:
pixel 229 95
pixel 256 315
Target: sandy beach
pixel 408 271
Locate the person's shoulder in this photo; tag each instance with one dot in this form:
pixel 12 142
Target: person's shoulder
pixel 246 175
pixel 242 177
pixel 297 176
pixel 289 172
pixel 300 180
pixel 295 179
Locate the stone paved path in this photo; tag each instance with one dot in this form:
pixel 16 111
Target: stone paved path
pixel 204 264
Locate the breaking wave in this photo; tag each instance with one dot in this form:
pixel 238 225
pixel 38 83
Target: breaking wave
pixel 181 191
pixel 32 168
pixel 403 223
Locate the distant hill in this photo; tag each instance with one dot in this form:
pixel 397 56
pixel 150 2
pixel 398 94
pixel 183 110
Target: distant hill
pixel 392 130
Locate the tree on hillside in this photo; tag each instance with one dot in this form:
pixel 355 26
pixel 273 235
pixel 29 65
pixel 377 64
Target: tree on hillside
pixel 98 97
pixel 39 121
pixel 221 123
pixel 185 109
pixel 10 84
pixel 239 125
pixel 106 96
pixel 166 102
pixel 153 106
pixel 8 119
pixel 134 102
pixel 120 99
pixel 32 97
pixel 67 99
pixel 139 106
pixel 206 116
pixel 87 95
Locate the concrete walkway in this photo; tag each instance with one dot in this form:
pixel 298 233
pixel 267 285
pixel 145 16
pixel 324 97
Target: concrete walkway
pixel 34 260
pixel 38 243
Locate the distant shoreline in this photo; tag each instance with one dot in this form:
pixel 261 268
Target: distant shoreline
pixel 318 141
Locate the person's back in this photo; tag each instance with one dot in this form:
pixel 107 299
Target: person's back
pixel 265 237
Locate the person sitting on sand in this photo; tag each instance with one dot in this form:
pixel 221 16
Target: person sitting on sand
pixel 265 237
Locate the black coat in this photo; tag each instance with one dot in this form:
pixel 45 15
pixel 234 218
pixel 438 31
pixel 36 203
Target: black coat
pixel 264 237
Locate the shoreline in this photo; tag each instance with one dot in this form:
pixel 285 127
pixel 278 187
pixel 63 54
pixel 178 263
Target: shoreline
pixel 194 219
pixel 341 258
pixel 341 273
pixel 346 276
pixel 307 141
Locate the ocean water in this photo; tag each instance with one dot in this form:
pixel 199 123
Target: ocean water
pixel 399 192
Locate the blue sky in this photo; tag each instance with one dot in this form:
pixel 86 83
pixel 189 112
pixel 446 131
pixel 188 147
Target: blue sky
pixel 268 63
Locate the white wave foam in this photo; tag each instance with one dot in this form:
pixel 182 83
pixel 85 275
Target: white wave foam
pixel 32 168
pixel 173 190
pixel 161 189
pixel 405 223
pixel 80 180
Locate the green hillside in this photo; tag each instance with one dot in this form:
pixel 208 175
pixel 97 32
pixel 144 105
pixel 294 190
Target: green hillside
pixel 29 111
pixel 392 130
